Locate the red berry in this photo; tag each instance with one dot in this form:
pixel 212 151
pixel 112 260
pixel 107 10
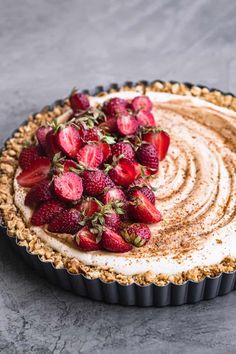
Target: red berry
pixel 86 240
pixel 147 156
pixel 90 155
pixel 52 147
pixel 148 171
pixel 109 126
pixel 90 134
pixel 79 101
pixel 145 119
pixel 41 192
pixel 68 164
pixel 88 207
pixel 116 194
pixel 69 141
pixel 113 194
pixel 82 131
pixel 106 150
pixel 145 190
pixel 123 148
pixel 35 173
pixel 136 234
pixel 112 220
pixel 66 222
pixel 140 182
pixel 68 186
pixel 161 141
pixel 149 194
pixel 94 182
pixel 124 173
pixel 127 124
pixel 113 242
pixel 28 155
pixel 141 102
pixel 115 106
pixel 108 182
pixel 46 212
pixel 137 169
pixel 142 210
pixel 41 134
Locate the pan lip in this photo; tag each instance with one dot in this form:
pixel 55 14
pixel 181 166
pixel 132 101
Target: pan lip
pixel 94 92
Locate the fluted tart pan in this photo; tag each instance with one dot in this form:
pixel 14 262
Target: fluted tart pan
pixel 132 294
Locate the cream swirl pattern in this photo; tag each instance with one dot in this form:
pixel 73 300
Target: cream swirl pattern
pixel 196 187
pixel 196 193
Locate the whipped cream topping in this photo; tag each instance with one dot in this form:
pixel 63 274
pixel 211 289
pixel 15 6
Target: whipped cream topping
pixel 196 192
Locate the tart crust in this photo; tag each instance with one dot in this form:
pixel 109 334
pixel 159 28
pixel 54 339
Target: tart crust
pixel 16 227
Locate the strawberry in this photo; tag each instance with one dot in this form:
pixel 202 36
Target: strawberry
pixel 136 234
pixel 41 192
pixel 35 173
pixel 113 194
pixel 82 131
pixel 124 149
pixel 94 182
pixel 142 210
pixel 113 242
pixel 148 193
pixel 90 155
pixel 90 134
pixel 88 207
pixel 141 103
pixel 86 240
pixel 65 222
pixel 138 169
pixel 63 165
pixel 52 147
pixel 116 194
pixel 68 186
pixel 68 164
pixel 108 182
pixel 161 141
pixel 68 140
pixel 46 212
pixel 28 155
pixel 109 126
pixel 124 173
pixel 147 156
pixel 112 220
pixel 145 190
pixel 115 106
pixel 149 171
pixel 127 124
pixel 106 150
pixel 140 182
pixel 41 136
pixel 145 119
pixel 79 101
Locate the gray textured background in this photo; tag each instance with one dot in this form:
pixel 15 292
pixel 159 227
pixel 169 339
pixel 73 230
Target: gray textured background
pixel 46 48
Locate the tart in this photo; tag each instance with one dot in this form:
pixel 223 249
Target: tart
pixel 134 185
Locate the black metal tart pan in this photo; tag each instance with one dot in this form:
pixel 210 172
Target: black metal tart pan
pixel 133 294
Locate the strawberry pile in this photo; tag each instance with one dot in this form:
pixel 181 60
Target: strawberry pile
pixel 89 177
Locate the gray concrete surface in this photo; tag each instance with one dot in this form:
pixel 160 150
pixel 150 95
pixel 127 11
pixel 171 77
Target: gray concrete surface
pixel 46 48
